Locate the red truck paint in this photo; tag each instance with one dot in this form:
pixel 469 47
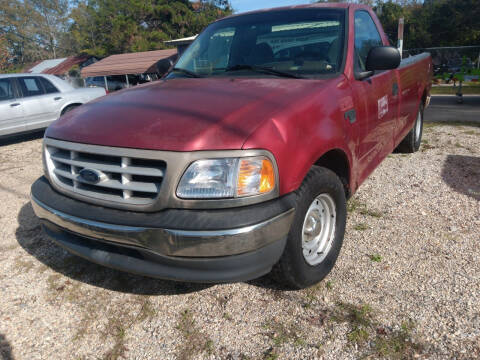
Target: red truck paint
pixel 296 120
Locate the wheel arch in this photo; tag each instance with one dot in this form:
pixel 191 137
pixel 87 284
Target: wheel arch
pixel 66 106
pixel 337 161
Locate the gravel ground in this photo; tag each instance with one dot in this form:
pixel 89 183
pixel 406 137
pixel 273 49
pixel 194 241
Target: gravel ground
pixel 406 284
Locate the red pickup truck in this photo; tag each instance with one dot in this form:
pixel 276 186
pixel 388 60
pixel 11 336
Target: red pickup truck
pixel 242 157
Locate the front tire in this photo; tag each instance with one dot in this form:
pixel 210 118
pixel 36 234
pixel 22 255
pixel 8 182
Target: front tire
pixel 317 231
pixel 411 142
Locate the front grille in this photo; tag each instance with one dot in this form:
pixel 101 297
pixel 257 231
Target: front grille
pixel 123 179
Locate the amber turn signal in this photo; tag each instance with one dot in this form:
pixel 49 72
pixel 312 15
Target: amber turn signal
pixel 255 176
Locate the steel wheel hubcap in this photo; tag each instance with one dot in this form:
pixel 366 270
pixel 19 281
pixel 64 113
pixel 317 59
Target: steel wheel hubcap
pixel 318 229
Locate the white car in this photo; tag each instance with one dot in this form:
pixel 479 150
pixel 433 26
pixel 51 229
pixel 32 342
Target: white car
pixel 32 101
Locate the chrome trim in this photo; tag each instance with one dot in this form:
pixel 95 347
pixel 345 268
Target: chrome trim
pixel 177 163
pixel 172 242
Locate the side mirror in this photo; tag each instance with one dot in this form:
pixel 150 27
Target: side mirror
pixel 383 58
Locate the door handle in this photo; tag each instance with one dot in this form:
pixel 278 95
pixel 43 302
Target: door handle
pixel 57 98
pixel 15 104
pixel 395 89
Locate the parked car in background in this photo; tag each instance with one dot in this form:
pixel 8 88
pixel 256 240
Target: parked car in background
pixel 114 83
pixel 119 82
pixel 30 102
pixel 241 159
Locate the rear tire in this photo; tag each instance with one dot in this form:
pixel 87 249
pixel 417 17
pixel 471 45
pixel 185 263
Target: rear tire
pixel 411 142
pixel 317 231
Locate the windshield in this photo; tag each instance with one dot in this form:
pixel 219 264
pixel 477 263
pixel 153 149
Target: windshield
pixel 301 42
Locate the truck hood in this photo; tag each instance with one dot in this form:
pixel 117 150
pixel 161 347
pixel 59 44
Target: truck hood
pixel 182 114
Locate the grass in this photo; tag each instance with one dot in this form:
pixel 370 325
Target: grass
pixel 329 285
pixel 397 345
pixel 359 318
pixel 358 336
pixel 270 354
pixel 311 295
pixel 281 333
pixel 356 205
pixel 353 204
pixel 376 257
pixel 365 329
pixel 120 321
pixel 117 329
pixel 195 341
pixel 451 90
pixel 361 227
pixel 372 213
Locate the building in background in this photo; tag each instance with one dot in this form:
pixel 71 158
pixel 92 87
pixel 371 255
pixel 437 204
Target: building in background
pixel 124 70
pixel 181 44
pixel 66 68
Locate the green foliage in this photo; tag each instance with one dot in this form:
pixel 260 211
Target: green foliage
pixel 3 53
pixel 105 27
pixel 361 227
pixel 42 29
pixel 432 23
pixel 33 28
pixel 376 257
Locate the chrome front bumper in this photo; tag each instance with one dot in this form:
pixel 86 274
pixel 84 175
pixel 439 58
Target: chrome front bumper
pixel 174 242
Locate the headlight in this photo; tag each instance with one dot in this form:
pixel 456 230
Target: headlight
pixel 227 178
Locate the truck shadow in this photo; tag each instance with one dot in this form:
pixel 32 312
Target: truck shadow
pixel 5 349
pixel 462 174
pixel 31 237
pixel 16 139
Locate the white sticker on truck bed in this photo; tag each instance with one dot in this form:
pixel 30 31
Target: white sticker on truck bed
pixel 382 106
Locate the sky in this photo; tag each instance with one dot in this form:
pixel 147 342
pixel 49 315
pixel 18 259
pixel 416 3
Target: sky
pixel 247 5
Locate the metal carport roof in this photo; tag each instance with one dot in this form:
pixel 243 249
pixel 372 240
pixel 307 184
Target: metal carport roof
pixel 130 63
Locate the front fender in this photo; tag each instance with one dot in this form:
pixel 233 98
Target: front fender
pixel 302 133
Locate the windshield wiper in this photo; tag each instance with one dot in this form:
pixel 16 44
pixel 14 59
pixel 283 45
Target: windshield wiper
pixel 263 69
pixel 187 72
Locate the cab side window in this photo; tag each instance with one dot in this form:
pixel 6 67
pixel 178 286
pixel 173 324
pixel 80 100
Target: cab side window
pixel 30 86
pixel 6 89
pixel 48 86
pixel 366 37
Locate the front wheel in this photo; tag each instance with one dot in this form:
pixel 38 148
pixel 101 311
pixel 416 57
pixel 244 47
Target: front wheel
pixel 317 231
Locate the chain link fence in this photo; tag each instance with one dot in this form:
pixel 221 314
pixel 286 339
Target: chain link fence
pixel 455 66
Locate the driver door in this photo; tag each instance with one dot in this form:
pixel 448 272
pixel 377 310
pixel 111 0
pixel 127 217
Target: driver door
pixel 376 95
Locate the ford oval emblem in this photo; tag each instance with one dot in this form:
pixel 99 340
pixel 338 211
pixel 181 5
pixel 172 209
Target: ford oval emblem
pixel 91 176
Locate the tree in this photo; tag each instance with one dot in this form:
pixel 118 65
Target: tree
pixel 50 20
pixel 455 22
pixel 104 27
pixel 389 15
pixel 4 56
